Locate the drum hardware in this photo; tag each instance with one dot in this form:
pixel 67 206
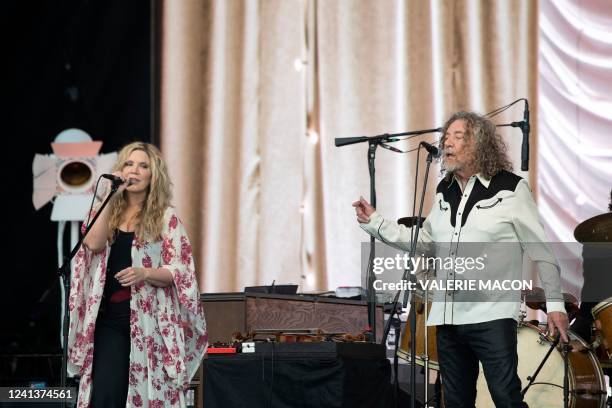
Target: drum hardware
pixel 543 338
pixel 585 382
pixel 566 349
pixel 532 378
pixel 593 346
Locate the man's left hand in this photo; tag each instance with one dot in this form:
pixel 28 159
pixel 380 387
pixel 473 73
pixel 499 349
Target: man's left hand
pixel 558 323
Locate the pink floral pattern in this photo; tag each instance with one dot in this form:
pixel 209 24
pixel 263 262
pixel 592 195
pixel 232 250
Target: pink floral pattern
pixel 168 329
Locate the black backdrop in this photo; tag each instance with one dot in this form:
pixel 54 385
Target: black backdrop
pixel 71 63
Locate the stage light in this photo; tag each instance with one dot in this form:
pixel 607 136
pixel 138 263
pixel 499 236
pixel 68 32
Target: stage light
pixel 68 176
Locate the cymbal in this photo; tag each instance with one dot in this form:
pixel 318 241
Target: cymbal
pixel 535 299
pixel 536 294
pixel 596 229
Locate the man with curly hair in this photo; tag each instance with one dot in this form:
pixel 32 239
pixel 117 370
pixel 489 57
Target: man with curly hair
pixel 479 200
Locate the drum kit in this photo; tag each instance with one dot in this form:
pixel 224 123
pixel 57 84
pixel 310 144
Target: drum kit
pixel 541 362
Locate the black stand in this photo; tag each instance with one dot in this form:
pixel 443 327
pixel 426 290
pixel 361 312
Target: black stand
pixel 412 283
pixel 566 349
pixel 397 324
pixel 64 273
pixel 532 378
pixel 373 144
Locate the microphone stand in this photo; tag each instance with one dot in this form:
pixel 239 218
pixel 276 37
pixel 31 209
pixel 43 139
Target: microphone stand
pixel 385 137
pixel 525 129
pixel 64 273
pixel 411 286
pixel 370 273
pixel 373 142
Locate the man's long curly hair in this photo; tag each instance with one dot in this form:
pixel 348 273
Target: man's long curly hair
pixel 150 219
pixel 490 151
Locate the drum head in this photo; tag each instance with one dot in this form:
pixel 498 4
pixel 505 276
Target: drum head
pixel 547 390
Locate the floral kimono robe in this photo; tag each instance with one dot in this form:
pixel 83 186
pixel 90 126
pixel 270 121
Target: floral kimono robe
pixel 167 326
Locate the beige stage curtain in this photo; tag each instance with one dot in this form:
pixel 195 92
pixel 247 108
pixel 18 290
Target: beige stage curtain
pixel 575 90
pixel 254 93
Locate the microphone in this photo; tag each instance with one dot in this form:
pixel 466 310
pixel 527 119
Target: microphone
pixel 433 150
pixel 526 128
pixel 117 180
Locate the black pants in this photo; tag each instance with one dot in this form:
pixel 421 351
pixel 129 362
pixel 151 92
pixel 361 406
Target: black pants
pixel 493 343
pixel 111 362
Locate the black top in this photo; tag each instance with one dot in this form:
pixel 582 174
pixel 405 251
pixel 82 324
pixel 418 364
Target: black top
pixel 120 257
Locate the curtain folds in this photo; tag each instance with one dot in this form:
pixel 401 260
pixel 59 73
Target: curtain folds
pixel 575 88
pixel 254 93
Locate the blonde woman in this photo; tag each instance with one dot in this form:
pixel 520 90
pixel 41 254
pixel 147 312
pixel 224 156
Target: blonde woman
pixel 137 330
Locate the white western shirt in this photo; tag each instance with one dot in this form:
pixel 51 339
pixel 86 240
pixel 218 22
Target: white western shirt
pixel 498 214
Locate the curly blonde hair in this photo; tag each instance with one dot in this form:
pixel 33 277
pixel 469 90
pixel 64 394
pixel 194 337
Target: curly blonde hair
pixel 150 219
pixel 490 151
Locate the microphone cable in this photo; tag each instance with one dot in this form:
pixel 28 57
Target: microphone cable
pixel 497 111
